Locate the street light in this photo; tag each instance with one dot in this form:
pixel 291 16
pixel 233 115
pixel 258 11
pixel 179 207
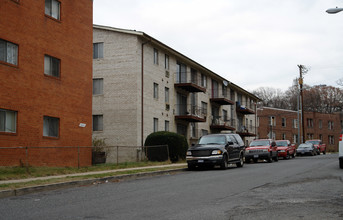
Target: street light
pixel 334 10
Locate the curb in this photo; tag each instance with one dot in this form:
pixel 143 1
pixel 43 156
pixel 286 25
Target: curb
pixel 54 186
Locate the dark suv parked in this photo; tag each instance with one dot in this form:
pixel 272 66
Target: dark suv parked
pixel 216 149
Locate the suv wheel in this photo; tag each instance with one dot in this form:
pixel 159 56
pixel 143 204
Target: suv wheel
pixel 241 162
pixel 224 163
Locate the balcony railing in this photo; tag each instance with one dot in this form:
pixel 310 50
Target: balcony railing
pixel 220 123
pixel 245 108
pixel 246 130
pixel 191 85
pixel 190 113
pixel 221 99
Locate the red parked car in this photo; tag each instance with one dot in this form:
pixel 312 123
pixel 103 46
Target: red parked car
pixel 318 144
pixel 261 149
pixel 285 149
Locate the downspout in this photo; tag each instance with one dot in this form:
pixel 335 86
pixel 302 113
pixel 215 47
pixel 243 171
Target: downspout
pixel 142 92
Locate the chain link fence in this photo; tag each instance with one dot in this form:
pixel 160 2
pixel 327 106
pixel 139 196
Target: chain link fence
pixel 78 156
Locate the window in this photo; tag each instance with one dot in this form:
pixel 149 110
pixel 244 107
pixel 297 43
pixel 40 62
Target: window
pixel 283 122
pixel 50 126
pixel 310 136
pixel 204 132
pixel 272 121
pixel 193 130
pixel 52 8
pixel 8 121
pixel 295 123
pixel 330 125
pixel 166 62
pixel 98 86
pixel 271 135
pixel 203 81
pixel 295 138
pixel 283 136
pixel 224 90
pixel 225 115
pixel 166 91
pixel 155 124
pixel 98 50
pixel 51 66
pixel 98 123
pixel 331 139
pixel 155 91
pixel 155 56
pixel 204 108
pixel 166 125
pixel 310 123
pixel 8 52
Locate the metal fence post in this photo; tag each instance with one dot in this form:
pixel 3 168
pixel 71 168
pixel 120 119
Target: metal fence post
pixel 78 157
pixel 117 154
pixel 27 159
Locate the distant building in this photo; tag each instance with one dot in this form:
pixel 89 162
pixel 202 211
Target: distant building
pixel 141 85
pixel 46 81
pixel 283 124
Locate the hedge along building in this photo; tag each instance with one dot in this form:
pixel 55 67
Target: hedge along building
pixel 141 85
pixel 45 81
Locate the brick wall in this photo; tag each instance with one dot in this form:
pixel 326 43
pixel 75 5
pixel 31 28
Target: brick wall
pixel 26 89
pixel 285 128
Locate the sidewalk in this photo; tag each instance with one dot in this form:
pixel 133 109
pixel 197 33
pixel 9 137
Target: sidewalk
pixel 26 190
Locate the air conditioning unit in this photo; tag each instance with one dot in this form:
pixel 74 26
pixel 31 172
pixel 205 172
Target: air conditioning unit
pixel 167 107
pixel 167 73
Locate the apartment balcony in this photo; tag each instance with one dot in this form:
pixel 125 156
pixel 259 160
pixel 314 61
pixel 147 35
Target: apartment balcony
pixel 246 131
pixel 218 123
pixel 221 99
pixel 244 108
pixel 190 113
pixel 190 85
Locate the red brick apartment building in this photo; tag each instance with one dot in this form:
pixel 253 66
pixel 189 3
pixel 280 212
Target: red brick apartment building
pixel 46 81
pixel 283 124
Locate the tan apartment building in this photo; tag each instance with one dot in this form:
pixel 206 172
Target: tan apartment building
pixel 282 124
pixel 141 85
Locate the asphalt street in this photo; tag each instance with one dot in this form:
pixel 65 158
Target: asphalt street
pixel 300 188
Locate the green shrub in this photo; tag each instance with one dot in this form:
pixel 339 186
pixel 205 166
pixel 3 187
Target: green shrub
pixel 177 146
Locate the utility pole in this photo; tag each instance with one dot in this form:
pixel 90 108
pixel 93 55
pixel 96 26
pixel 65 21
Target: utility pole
pixel 302 70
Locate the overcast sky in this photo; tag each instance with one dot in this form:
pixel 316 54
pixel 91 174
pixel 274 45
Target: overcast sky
pixel 252 43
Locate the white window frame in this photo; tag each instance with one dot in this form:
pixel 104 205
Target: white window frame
pixel 98 123
pixel 166 125
pixel 98 86
pixel 155 56
pixel 155 91
pixel 52 66
pixel 166 91
pixel 155 125
pixel 284 120
pixel 51 126
pixel 8 121
pixel 53 9
pixel 166 62
pixel 8 52
pixel 98 50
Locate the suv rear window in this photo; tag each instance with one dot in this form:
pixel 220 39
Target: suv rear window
pixel 212 140
pixel 259 143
